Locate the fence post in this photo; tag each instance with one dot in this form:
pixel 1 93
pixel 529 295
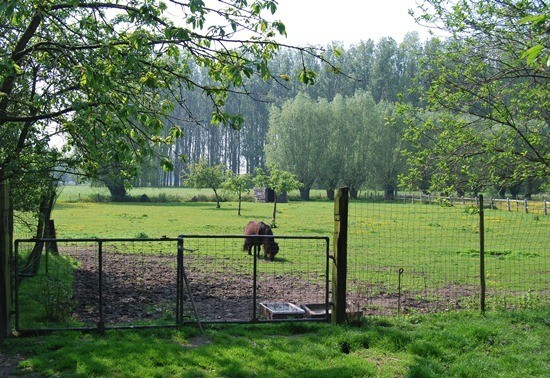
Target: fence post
pixel 525 205
pixel 101 322
pixel 339 269
pixel 179 285
pixel 5 257
pixel 255 250
pixel 481 255
pixel 545 207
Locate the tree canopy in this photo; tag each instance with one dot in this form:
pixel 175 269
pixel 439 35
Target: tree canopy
pixel 488 98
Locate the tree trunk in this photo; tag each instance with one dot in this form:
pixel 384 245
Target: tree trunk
pixel 217 198
pixel 330 194
pixel 6 239
pixel 118 192
pixel 47 202
pixel 304 194
pixel 353 192
pixel 389 194
pixel 240 199
pixel 273 224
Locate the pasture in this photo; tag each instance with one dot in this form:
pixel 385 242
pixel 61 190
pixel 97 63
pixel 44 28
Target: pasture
pixel 403 258
pixel 435 246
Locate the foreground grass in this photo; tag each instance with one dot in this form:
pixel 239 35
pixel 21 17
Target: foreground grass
pixel 511 344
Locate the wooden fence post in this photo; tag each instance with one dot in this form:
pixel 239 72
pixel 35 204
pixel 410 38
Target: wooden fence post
pixel 482 283
pixel 5 257
pixel 340 265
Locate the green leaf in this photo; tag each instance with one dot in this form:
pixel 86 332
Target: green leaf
pixel 532 54
pixel 167 165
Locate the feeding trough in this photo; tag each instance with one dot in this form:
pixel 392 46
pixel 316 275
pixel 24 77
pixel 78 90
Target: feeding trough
pixel 316 310
pixel 281 310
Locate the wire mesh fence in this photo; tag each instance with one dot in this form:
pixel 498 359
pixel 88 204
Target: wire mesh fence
pixel 109 283
pixel 228 284
pixel 413 256
pixel 91 283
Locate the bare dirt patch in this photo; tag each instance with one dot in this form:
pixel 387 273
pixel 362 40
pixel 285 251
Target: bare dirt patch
pixel 144 288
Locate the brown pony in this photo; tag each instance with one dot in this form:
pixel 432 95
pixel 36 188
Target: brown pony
pixel 271 248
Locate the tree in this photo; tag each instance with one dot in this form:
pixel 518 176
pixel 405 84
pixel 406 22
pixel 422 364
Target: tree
pixel 356 119
pixel 82 72
pixel 238 184
pixel 385 158
pixel 298 138
pixel 79 72
pixel 491 91
pixel 278 180
pixel 203 176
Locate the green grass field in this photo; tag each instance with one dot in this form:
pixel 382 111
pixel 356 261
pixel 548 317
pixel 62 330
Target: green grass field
pixel 437 247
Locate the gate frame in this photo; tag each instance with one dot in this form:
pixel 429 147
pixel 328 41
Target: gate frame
pixel 182 283
pixel 255 275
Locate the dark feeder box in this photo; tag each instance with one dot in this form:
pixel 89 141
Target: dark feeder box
pixel 316 310
pixel 319 311
pixel 281 310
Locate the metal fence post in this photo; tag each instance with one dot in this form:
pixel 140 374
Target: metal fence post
pixel 256 250
pixel 340 268
pixel 179 284
pixel 481 255
pixel 101 323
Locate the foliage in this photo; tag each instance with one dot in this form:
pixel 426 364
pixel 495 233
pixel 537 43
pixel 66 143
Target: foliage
pixel 297 139
pixel 349 141
pixel 203 176
pixel 488 102
pixel 357 68
pixel 499 344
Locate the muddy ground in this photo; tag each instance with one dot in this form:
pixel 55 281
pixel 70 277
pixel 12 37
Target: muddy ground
pixel 143 288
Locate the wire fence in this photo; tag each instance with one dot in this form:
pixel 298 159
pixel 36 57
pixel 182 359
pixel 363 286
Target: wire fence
pixel 403 257
pixel 416 256
pixel 117 283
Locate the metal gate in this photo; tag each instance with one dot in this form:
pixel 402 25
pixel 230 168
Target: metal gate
pixel 81 284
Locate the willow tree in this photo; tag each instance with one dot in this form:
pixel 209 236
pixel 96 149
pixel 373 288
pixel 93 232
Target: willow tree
pixel 298 139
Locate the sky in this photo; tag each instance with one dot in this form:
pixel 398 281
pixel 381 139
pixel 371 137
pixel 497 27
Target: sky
pixel 349 21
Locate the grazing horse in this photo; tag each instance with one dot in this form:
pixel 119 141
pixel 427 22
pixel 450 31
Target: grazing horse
pixel 271 248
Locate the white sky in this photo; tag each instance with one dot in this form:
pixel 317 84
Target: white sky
pixel 349 21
